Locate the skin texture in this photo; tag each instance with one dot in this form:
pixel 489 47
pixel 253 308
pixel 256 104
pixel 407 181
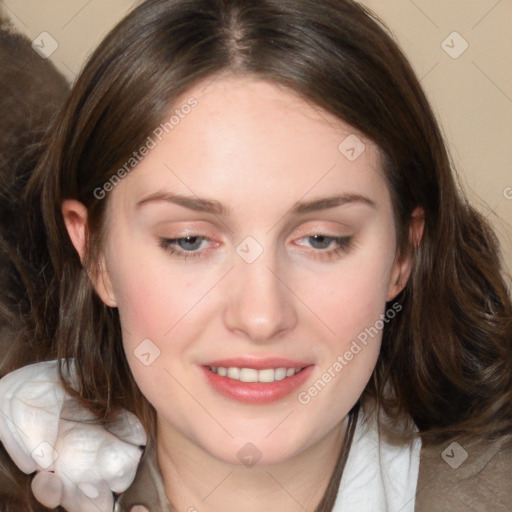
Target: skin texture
pixel 258 149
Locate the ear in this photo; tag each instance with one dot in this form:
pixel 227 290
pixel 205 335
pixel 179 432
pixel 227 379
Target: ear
pixel 403 262
pixel 75 219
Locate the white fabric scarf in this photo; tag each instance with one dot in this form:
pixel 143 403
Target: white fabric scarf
pixel 78 463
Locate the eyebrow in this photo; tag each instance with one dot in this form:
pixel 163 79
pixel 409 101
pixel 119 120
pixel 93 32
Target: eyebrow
pixel 215 207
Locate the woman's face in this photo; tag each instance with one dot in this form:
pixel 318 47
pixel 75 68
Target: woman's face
pixel 289 265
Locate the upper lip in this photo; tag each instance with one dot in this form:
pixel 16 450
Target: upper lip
pixel 257 364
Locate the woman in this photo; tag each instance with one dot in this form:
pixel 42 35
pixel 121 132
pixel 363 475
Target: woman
pixel 337 282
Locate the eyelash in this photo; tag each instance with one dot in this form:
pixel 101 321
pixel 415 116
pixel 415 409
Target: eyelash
pixel 344 244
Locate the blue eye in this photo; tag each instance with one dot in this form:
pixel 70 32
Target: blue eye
pixel 190 246
pixel 321 242
pixel 184 247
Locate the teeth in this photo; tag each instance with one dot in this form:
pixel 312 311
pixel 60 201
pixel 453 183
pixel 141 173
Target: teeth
pixel 249 375
pixel 280 373
pixel 252 375
pixel 265 375
pixel 233 373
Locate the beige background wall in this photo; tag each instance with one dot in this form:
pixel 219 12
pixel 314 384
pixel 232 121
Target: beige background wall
pixel 471 90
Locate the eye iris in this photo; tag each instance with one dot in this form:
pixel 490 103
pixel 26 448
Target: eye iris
pixel 193 240
pixel 322 239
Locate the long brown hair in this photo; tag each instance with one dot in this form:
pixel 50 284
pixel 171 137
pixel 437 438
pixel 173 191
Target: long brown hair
pixel 446 360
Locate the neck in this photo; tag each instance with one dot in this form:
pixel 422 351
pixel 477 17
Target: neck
pixel 195 481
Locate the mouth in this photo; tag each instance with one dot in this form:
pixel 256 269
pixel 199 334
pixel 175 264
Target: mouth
pixel 253 375
pixel 256 381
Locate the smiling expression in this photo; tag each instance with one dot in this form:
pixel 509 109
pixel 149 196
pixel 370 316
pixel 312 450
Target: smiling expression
pixel 291 255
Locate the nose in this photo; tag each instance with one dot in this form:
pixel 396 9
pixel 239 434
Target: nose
pixel 260 303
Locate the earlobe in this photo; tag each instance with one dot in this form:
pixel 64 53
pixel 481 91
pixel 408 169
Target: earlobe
pixel 103 284
pixel 75 219
pixel 403 263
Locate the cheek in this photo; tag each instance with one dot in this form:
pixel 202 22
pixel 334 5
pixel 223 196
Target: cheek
pixel 151 291
pixel 351 303
pixel 141 302
pixel 352 297
pixel 153 302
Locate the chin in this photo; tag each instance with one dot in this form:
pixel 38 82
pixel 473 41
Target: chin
pixel 247 451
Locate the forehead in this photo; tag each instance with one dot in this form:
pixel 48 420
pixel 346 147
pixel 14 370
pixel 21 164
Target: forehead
pixel 246 138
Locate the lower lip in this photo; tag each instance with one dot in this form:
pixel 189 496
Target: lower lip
pixel 256 392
